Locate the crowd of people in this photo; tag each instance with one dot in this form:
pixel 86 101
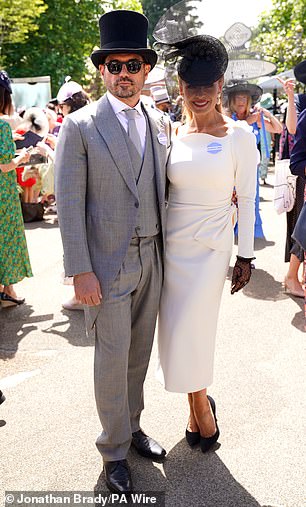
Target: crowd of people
pixel 142 223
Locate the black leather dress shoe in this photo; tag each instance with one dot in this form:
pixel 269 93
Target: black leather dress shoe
pixel 146 446
pixel 118 476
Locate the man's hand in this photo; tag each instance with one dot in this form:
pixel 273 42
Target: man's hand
pixel 87 289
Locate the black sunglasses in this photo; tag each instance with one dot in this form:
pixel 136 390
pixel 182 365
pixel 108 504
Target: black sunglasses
pixel 132 66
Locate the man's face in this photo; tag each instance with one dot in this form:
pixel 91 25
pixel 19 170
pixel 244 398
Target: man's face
pixel 125 85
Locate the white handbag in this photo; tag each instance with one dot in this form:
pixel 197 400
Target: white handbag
pixel 284 186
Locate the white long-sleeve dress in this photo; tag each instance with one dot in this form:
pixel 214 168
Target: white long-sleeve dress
pixel 202 170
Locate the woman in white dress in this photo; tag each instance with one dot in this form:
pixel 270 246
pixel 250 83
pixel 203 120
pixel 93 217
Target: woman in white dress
pixel 210 155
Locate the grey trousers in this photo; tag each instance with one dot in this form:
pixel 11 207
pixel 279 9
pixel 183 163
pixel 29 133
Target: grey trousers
pixel 124 332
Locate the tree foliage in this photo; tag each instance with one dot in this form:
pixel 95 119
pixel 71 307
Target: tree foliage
pixel 18 18
pixel 154 9
pixel 281 33
pixel 67 33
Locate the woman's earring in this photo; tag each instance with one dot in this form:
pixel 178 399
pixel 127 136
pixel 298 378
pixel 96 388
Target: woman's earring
pixel 218 99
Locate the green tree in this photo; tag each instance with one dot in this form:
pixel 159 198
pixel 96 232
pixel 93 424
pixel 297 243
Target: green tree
pixel 281 33
pixel 154 9
pixel 67 33
pixel 18 18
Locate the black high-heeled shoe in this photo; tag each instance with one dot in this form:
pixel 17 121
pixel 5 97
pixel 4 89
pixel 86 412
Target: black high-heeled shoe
pixel 192 437
pixel 7 300
pixel 207 442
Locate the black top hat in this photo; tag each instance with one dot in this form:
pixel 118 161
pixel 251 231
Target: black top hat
pixel 5 81
pixel 300 72
pixel 254 91
pixel 123 31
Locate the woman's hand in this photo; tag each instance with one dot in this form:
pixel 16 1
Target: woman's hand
pixel 253 117
pixel 265 112
pixel 51 140
pixel 44 149
pixel 288 85
pixel 17 137
pixel 24 156
pixel 241 273
pixel 272 124
pixel 258 110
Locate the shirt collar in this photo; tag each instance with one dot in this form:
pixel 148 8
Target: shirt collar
pixel 119 106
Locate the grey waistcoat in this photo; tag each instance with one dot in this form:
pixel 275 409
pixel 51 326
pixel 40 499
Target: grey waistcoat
pixel 148 221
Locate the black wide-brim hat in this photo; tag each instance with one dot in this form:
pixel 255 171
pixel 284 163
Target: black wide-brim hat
pixel 253 90
pixel 123 31
pixel 204 60
pixel 300 72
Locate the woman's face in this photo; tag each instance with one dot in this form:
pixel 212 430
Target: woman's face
pixel 65 109
pixel 201 99
pixel 241 103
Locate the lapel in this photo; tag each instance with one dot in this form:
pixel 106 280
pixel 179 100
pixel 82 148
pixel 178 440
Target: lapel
pixel 159 154
pixel 109 128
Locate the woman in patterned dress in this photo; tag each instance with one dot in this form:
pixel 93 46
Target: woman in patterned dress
pixel 14 257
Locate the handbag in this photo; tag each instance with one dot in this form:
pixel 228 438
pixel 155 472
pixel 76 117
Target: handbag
pixel 299 231
pixel 32 211
pixel 284 186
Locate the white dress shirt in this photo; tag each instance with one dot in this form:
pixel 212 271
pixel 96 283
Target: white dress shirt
pixel 118 107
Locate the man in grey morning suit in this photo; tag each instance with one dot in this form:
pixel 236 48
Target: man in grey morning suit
pixel 110 189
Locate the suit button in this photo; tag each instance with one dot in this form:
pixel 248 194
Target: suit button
pixel 136 204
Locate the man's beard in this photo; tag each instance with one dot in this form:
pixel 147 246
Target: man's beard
pixel 123 92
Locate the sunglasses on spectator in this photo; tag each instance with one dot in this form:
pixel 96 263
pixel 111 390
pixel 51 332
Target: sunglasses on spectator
pixel 132 66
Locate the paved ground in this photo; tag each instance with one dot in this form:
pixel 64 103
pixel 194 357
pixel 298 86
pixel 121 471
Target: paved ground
pixel 48 424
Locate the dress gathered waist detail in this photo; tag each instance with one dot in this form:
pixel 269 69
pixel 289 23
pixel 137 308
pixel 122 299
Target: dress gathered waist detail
pixel 197 197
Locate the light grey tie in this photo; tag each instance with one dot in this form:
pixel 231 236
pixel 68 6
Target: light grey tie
pixel 132 129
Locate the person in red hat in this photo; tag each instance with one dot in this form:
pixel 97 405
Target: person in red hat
pixel 110 191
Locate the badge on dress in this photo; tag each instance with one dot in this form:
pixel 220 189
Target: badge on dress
pixel 214 148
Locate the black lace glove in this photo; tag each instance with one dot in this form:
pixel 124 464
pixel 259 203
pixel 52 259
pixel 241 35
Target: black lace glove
pixel 241 273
